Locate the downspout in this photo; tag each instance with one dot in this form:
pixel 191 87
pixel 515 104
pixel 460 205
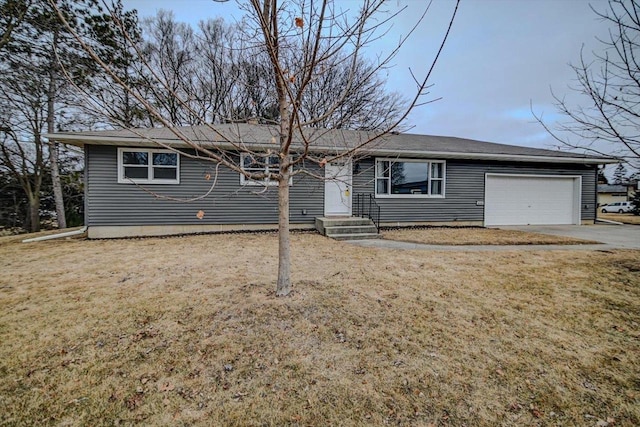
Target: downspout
pixel 596 206
pixel 85 181
pixel 608 221
pixel 57 236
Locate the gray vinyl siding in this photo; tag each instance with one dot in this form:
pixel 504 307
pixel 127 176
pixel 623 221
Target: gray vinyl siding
pixel 464 183
pixel 110 203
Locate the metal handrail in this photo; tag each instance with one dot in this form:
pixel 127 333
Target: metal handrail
pixel 366 207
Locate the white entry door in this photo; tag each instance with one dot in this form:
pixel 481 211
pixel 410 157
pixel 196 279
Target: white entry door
pixel 337 189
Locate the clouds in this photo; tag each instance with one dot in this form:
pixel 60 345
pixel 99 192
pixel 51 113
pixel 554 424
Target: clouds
pixel 502 56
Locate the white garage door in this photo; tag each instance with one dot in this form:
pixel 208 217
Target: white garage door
pixel 534 200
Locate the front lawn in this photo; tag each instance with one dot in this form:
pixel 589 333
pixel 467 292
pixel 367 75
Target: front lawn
pixel 187 331
pixel 626 218
pixel 475 236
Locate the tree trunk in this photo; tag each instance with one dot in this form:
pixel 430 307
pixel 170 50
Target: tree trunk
pixel 284 242
pixel 34 213
pixel 53 146
pixel 283 286
pixel 57 186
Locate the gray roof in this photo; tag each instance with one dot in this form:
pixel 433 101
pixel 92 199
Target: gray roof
pixel 609 188
pixel 244 135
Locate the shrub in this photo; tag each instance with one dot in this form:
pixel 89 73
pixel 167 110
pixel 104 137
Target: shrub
pixel 636 203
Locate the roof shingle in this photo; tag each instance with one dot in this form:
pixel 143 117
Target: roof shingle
pixel 333 140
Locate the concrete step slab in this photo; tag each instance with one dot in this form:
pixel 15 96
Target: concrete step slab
pixel 358 236
pixel 350 229
pixel 336 222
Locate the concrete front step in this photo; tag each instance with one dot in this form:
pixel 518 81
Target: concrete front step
pixel 350 229
pixel 347 228
pixel 359 236
pixel 340 221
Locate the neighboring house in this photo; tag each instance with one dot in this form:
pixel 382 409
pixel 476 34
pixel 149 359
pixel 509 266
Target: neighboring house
pixel 609 193
pixel 414 179
pixel 632 188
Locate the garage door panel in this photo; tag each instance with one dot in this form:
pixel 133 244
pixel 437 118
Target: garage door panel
pixel 523 200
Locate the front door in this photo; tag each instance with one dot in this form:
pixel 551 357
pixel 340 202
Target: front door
pixel 337 189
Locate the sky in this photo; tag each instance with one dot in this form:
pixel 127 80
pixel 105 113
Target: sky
pixel 502 57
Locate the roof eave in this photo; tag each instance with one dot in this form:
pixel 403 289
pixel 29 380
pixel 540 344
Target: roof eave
pixel 493 156
pixel 80 141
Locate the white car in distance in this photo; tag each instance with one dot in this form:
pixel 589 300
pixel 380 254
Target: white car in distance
pixel 617 207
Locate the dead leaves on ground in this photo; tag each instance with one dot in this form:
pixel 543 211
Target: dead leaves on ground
pixel 134 401
pixel 144 334
pixel 165 386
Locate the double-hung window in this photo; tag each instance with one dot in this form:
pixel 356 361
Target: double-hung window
pixel 261 169
pixel 148 166
pixel 410 178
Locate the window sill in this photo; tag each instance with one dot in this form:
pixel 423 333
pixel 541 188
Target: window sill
pixel 409 196
pixel 149 181
pixel 258 184
pixel 247 182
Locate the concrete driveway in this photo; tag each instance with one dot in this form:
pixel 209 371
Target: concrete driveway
pixel 614 236
pixel 609 236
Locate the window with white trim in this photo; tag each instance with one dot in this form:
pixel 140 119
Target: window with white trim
pixel 261 166
pixel 410 178
pixel 148 166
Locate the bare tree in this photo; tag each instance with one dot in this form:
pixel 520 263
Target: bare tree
pixel 12 14
pixel 170 51
pixel 363 106
pixel 217 70
pixel 611 84
pixel 302 41
pixel 219 75
pixel 26 161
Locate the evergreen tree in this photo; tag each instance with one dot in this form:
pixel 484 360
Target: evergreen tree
pixel 636 203
pixel 36 97
pixel 620 175
pixel 602 178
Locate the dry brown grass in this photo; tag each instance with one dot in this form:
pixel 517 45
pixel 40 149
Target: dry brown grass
pixel 626 218
pixel 476 236
pixel 187 331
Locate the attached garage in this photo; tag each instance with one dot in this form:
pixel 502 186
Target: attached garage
pixel 531 199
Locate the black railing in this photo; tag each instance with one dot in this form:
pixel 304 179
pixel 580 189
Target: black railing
pixel 366 207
